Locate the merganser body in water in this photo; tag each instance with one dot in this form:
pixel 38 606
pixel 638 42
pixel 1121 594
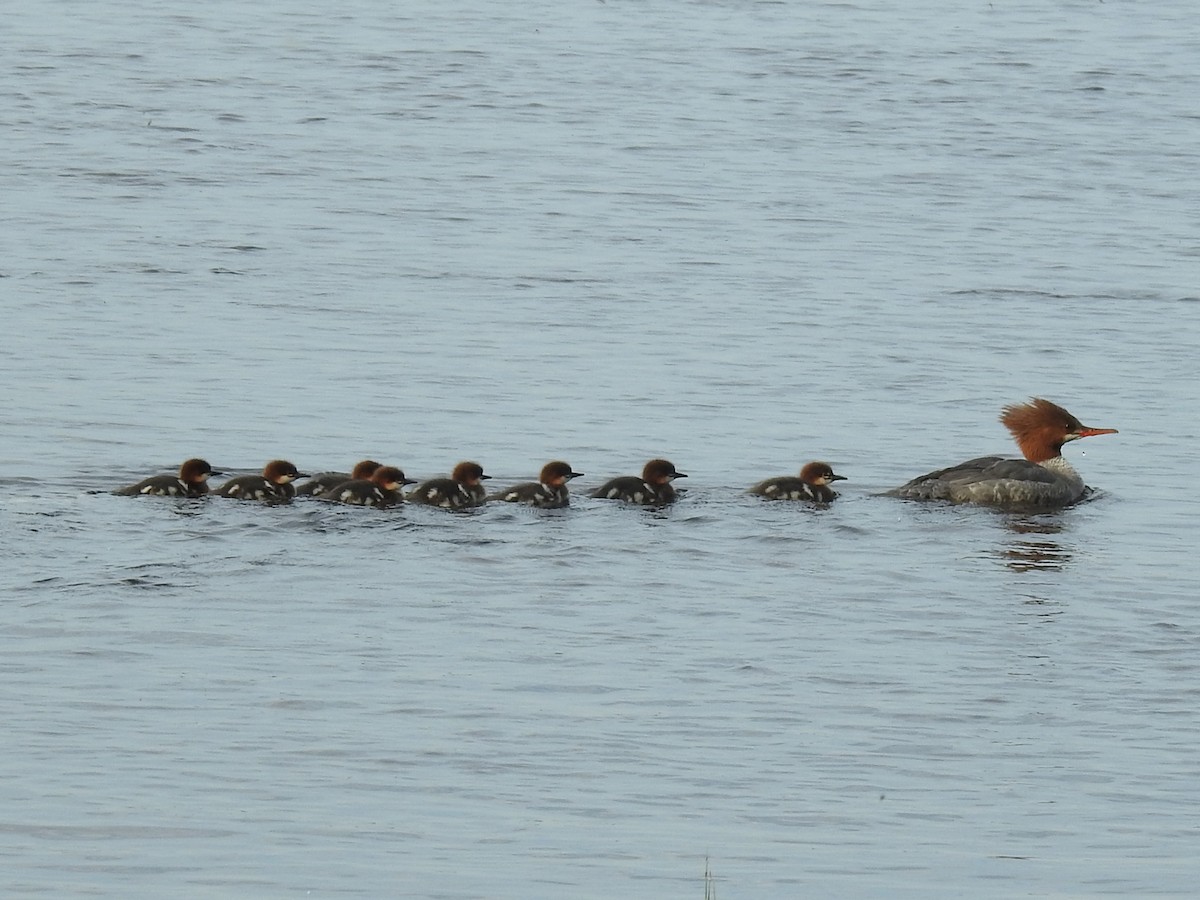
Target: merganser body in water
pixel 812 484
pixel 274 485
pixel 192 481
pixel 652 489
pixel 318 484
pixel 1043 479
pixel 381 489
pixel 548 492
pixel 461 490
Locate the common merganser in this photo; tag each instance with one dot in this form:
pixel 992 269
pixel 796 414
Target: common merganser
pixel 812 484
pixel 192 481
pixel 1042 479
pixel 318 484
pixel 652 489
pixel 381 489
pixel 274 485
pixel 460 491
pixel 548 492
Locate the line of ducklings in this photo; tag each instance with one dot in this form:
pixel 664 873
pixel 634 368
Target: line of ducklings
pixel 373 484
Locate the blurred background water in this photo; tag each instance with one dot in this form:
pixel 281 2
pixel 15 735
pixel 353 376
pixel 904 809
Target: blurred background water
pixel 740 235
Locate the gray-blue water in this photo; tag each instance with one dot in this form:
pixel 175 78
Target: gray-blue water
pixel 740 235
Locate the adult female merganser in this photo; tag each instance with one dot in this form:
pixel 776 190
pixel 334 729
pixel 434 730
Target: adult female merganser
pixel 381 489
pixel 812 484
pixel 274 485
pixel 461 490
pixel 652 489
pixel 192 481
pixel 318 484
pixel 548 492
pixel 1042 479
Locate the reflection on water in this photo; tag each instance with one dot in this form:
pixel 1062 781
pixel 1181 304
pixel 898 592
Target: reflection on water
pixel 1041 609
pixel 1032 545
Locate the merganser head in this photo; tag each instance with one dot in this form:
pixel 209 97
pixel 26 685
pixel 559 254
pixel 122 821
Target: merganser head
pixel 280 471
pixel 196 471
pixel 364 469
pixel 819 474
pixel 1040 428
pixel 389 478
pixel 469 473
pixel 556 474
pixel 660 471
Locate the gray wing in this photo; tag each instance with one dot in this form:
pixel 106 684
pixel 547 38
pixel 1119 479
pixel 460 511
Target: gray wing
pixel 944 484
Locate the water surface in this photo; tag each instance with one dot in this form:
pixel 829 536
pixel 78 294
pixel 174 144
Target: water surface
pixel 739 235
